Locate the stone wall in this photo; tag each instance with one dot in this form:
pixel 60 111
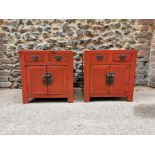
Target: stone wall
pixel 76 35
pixel 151 77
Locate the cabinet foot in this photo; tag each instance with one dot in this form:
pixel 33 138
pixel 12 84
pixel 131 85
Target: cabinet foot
pixel 25 100
pixel 86 99
pixel 70 100
pixel 129 99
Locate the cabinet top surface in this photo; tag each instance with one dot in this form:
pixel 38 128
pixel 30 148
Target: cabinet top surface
pixel 111 51
pixel 44 51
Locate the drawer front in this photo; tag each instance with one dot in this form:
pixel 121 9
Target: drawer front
pixel 35 57
pixel 99 58
pixel 122 57
pixel 58 58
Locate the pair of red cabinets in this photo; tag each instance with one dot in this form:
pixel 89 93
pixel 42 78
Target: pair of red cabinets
pixel 49 74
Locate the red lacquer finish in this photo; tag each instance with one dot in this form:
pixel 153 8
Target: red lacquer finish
pixel 98 64
pixel 34 67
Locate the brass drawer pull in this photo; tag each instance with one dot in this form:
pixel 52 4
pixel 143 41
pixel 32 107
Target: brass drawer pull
pixel 122 57
pixel 35 58
pixel 58 57
pixel 99 57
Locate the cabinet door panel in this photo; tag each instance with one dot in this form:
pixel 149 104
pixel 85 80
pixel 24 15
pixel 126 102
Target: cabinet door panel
pixel 98 79
pixel 58 79
pixel 35 80
pixel 121 78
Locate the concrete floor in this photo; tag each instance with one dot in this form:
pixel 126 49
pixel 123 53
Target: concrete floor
pixel 101 116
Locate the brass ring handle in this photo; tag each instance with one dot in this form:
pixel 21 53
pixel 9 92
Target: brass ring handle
pixel 122 57
pixel 99 57
pixel 58 57
pixel 35 58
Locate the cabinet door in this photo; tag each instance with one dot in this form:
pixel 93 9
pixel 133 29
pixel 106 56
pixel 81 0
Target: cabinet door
pixel 58 79
pixel 98 79
pixel 120 80
pixel 35 80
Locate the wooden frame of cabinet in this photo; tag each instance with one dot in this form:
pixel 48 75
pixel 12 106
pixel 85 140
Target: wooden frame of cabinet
pixel 109 73
pixel 46 74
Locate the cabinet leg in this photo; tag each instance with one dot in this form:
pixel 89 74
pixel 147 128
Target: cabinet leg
pixel 25 100
pixel 70 99
pixel 86 99
pixel 129 99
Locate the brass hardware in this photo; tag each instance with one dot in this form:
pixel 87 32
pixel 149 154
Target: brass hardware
pixel 99 57
pixel 109 78
pixel 58 57
pixel 35 58
pixel 122 57
pixel 47 79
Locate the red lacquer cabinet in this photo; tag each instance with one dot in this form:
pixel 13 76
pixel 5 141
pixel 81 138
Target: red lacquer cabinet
pixel 46 74
pixel 109 73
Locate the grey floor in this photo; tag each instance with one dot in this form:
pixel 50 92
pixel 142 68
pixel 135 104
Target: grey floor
pixel 101 116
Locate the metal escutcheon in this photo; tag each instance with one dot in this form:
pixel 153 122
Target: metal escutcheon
pixel 99 57
pixel 35 58
pixel 122 57
pixel 47 78
pixel 58 57
pixel 109 78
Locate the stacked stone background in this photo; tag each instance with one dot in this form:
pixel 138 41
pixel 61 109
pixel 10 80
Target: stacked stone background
pixel 72 34
pixel 151 74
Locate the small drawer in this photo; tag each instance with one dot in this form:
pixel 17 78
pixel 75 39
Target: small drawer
pixel 58 57
pixel 34 57
pixel 97 58
pixel 122 57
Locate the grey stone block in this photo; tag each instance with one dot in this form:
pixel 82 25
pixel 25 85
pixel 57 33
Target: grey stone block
pixel 5 72
pixel 3 79
pixel 16 73
pixel 153 78
pixel 5 84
